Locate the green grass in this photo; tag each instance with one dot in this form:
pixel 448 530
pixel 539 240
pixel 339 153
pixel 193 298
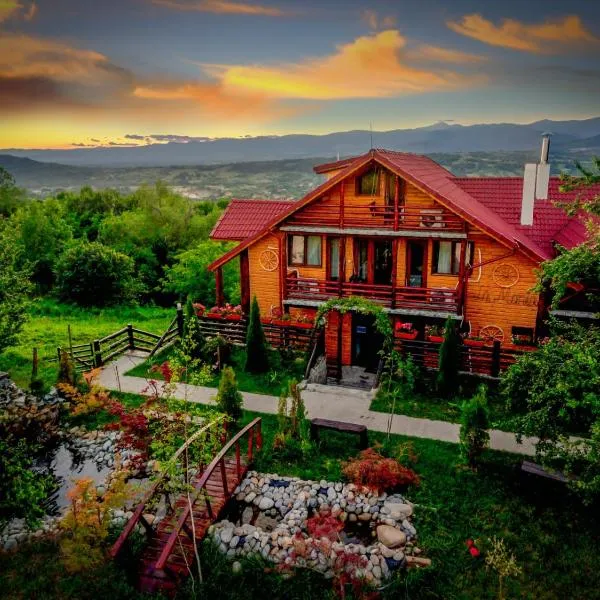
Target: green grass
pixel 270 383
pixel 429 406
pixel 555 539
pixel 46 329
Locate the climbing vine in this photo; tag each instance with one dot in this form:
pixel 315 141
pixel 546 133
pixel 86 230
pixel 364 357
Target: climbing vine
pixel 362 306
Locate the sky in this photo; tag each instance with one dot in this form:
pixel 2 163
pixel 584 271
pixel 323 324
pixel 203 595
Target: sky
pixel 129 72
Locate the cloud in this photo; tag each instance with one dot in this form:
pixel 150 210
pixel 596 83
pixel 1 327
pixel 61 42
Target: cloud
pixel 13 9
pixel 368 67
pixel 222 7
pixel 437 54
pixel 375 22
pixel 548 37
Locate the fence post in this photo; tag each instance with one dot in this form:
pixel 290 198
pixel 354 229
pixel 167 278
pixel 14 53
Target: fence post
pixel 495 368
pixel 59 353
pixel 130 342
pixel 97 354
pixel 179 320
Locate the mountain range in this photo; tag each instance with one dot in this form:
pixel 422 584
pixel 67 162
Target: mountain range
pixel 577 136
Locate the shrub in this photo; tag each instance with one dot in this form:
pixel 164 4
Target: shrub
pixel 324 526
pixel 292 439
pixel 193 338
pixel 449 364
pixel 229 399
pixel 91 274
pixel 474 423
pixel 66 370
pixel 370 469
pixel 257 360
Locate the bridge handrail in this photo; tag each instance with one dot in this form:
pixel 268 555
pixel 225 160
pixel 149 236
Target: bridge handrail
pixel 168 548
pixel 139 510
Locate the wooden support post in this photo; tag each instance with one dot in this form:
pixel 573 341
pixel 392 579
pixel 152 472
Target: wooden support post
pixel 34 364
pixel 396 203
pixel 219 286
pixel 259 439
pixel 245 281
pixel 342 265
pixel 130 341
pixel 97 353
pixel 342 208
pixel 462 276
pixel 394 267
pixel 283 289
pixel 495 367
pixel 338 375
pixel 209 507
pixel 238 461
pixel 180 320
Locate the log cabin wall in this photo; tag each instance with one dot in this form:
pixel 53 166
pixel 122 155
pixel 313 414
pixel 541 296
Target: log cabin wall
pixel 264 284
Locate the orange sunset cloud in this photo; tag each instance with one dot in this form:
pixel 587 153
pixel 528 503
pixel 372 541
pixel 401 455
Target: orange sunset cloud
pixel 221 7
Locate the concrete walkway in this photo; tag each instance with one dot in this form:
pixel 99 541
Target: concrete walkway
pixel 328 402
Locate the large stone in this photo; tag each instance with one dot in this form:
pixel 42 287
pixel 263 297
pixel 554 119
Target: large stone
pixel 266 503
pixel 390 536
pixel 226 535
pixel 398 511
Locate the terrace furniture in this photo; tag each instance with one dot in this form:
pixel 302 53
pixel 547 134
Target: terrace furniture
pixel 360 430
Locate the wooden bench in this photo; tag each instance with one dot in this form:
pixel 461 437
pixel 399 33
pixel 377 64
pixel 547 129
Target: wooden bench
pixel 530 467
pixel 360 430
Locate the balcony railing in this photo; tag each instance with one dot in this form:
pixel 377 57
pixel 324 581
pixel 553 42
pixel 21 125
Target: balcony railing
pixel 434 299
pixel 378 216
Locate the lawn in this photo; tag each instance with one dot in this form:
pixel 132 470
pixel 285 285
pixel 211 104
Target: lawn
pixel 427 405
pixel 46 329
pixel 556 540
pixel 281 371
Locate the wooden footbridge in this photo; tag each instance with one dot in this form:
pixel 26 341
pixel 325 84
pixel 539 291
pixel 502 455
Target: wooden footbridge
pixel 169 554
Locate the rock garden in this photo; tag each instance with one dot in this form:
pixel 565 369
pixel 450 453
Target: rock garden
pixel 321 525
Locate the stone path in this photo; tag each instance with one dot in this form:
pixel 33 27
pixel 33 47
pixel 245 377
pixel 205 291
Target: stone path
pixel 327 402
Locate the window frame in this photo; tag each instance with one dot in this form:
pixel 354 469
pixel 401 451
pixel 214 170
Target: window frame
pixel 358 179
pixel 305 251
pixel 454 243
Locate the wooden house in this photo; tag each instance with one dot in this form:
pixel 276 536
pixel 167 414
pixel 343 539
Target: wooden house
pixel 402 230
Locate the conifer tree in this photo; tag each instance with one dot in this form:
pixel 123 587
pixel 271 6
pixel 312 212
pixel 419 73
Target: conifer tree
pixel 229 399
pixel 257 359
pixel 449 363
pixel 474 423
pixel 193 338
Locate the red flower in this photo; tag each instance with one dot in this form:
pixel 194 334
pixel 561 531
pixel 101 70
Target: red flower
pixel 470 543
pixel 474 552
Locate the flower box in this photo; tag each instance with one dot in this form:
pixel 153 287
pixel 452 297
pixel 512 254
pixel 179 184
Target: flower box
pixel 474 343
pixel 407 335
pixel 303 325
pixel 213 315
pixel 435 338
pixel 232 317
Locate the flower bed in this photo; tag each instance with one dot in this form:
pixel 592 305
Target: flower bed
pixel 276 518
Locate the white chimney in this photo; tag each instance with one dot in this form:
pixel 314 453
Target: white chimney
pixel 529 178
pixel 543 170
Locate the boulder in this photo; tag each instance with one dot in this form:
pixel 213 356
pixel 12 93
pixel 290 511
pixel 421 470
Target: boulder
pixel 390 536
pixel 266 503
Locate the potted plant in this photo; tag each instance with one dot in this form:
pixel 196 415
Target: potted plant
pixel 199 309
pixel 434 333
pixel 232 313
pixel 405 331
pixel 304 321
pixel 523 342
pixel 216 312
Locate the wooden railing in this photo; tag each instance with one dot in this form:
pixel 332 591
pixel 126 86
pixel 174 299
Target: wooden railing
pixel 377 215
pixel 488 361
pixel 254 435
pixel 438 299
pixel 278 334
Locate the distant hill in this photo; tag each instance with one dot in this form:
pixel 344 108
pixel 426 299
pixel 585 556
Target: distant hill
pixel 438 138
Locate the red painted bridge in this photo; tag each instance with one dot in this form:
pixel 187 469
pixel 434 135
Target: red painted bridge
pixel 169 554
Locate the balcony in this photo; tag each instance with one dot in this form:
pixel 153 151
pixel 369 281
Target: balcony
pixel 378 216
pixel 428 299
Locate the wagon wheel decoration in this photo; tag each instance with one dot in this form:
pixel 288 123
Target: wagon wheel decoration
pixel 268 260
pixel 491 333
pixel 505 275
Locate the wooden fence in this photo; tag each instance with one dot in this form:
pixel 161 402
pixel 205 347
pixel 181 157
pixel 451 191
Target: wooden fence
pixel 486 361
pixel 279 335
pixel 96 353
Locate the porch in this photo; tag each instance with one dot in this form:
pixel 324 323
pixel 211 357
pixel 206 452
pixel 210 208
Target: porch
pixel 444 300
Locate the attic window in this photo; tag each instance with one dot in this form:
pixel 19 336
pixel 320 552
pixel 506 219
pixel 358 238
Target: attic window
pixel 367 184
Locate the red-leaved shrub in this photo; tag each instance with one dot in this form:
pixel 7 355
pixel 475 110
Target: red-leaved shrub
pixel 324 526
pixel 378 473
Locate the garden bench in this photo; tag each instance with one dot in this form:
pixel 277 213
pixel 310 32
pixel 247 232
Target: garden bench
pixel 530 467
pixel 360 430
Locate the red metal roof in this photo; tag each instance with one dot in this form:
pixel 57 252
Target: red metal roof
pixel 492 204
pixel 332 166
pixel 551 224
pixel 244 218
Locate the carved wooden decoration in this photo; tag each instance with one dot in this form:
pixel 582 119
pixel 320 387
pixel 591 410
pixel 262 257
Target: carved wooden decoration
pixel 268 260
pixel 505 275
pixel 491 333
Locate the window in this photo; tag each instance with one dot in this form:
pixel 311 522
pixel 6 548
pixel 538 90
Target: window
pixel 446 257
pixel 304 250
pixel 334 259
pixel 367 184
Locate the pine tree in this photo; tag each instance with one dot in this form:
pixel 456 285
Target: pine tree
pixel 229 399
pixel 449 364
pixel 474 423
pixel 66 370
pixel 257 359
